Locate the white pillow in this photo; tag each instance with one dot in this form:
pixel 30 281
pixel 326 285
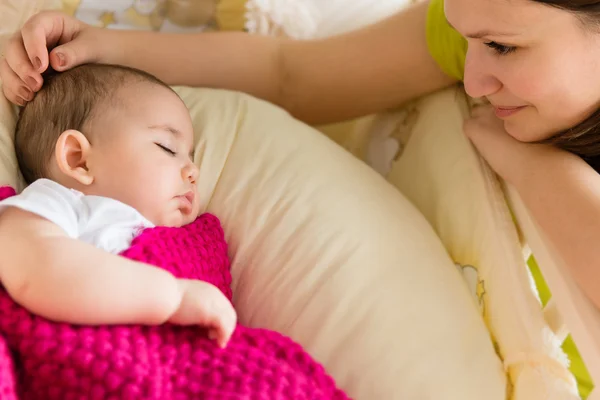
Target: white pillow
pixel 306 19
pixel 328 252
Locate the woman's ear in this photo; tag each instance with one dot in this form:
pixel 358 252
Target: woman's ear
pixel 72 153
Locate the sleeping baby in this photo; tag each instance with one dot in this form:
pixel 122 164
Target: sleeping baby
pixel 113 285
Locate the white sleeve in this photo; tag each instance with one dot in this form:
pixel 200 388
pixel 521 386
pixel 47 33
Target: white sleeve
pixel 49 200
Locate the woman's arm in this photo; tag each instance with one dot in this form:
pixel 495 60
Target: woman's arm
pixel 560 190
pixel 318 81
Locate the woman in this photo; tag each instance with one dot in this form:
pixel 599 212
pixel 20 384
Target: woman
pixel 536 62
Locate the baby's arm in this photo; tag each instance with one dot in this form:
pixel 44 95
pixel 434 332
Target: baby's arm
pixel 64 279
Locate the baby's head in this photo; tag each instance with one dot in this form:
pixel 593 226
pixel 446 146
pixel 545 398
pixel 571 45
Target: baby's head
pixel 115 132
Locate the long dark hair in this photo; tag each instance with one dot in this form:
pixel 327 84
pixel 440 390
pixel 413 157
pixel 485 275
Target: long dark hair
pixel 582 139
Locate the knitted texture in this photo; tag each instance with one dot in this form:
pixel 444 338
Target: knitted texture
pixel 8 378
pixel 64 361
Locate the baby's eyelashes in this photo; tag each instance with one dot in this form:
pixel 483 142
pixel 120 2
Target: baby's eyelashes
pixel 169 150
pixel 166 149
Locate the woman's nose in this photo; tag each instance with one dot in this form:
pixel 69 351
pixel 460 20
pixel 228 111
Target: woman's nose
pixel 478 81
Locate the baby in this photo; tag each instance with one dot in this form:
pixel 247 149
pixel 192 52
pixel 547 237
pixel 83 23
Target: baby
pixel 113 286
pixel 114 157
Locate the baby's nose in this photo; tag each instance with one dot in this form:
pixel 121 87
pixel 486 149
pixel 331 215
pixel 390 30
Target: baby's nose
pixel 190 173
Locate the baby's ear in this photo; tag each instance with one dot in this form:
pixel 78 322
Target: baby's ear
pixel 72 153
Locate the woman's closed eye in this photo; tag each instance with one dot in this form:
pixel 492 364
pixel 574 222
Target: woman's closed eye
pixel 166 149
pixel 500 49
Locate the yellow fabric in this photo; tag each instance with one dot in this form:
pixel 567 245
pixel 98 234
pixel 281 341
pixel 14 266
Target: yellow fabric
pixel 70 6
pixel 230 15
pixel 167 15
pixel 446 45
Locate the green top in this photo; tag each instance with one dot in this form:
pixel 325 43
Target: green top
pixel 446 45
pixel 449 49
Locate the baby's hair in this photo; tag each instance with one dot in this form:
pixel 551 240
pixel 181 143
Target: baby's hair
pixel 67 100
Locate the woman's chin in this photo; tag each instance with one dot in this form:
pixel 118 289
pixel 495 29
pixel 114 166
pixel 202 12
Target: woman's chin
pixel 525 132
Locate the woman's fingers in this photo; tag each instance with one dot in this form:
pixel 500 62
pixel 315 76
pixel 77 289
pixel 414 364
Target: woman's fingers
pixel 18 62
pixel 28 55
pixel 13 87
pixel 43 32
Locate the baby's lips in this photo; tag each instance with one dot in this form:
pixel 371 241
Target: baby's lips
pixel 187 202
pixel 190 196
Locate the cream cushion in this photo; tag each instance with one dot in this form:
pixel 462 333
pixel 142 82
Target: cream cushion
pixel 328 252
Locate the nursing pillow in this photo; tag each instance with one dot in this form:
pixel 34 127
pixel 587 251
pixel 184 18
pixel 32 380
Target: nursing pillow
pixel 326 251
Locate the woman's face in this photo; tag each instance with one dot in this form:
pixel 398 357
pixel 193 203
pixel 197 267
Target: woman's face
pixel 539 66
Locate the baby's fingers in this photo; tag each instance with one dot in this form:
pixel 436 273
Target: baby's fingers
pixel 224 326
pixel 220 337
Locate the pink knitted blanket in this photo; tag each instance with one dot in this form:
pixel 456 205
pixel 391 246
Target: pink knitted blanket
pixel 40 359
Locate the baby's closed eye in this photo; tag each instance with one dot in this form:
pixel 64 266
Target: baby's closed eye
pixel 166 149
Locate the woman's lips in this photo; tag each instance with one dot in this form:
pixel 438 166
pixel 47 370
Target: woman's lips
pixel 504 112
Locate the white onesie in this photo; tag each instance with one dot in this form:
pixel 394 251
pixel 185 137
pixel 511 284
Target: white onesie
pixel 100 221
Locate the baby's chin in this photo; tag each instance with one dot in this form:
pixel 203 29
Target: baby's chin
pixel 188 219
pixel 176 219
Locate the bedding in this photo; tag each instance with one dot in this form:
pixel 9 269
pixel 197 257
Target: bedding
pixel 157 15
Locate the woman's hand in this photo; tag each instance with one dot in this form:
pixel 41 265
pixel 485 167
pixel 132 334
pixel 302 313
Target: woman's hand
pixel 49 38
pixel 505 154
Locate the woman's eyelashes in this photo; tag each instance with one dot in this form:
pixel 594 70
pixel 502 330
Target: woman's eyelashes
pixel 500 49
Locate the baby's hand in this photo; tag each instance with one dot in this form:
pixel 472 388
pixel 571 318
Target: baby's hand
pixel 205 305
